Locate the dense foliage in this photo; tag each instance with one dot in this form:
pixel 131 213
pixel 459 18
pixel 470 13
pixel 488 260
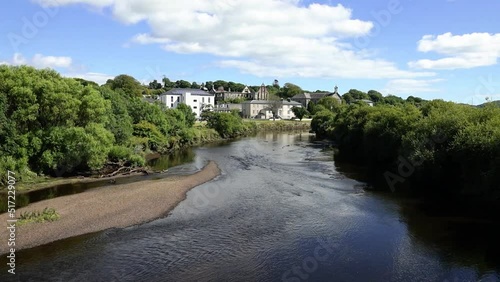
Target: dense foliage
pixel 228 125
pixel 439 147
pixel 53 125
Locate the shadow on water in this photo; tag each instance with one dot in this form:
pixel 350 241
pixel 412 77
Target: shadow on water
pixel 462 234
pixel 162 163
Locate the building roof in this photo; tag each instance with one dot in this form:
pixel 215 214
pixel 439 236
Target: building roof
pixel 310 95
pixel 285 102
pixel 315 95
pixel 181 91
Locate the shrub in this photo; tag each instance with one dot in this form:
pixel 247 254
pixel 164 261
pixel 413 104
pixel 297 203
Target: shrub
pixel 119 153
pixel 137 160
pixel 48 214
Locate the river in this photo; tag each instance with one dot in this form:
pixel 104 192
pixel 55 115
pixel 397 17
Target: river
pixel 281 211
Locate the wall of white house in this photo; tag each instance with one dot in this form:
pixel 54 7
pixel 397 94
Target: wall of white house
pixel 171 101
pixel 196 102
pixel 251 110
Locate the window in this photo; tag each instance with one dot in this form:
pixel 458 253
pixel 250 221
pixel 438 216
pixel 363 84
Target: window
pixel 195 101
pixel 203 99
pixel 195 107
pixel 178 98
pixel 208 99
pixel 171 98
pixel 171 105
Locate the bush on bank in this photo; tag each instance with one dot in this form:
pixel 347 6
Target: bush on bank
pixel 443 147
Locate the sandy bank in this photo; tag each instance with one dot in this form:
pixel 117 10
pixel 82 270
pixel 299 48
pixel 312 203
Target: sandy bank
pixel 102 208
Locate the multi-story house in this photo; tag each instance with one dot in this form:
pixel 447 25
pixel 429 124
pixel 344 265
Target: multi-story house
pixel 197 99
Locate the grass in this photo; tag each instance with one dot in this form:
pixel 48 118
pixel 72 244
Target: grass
pixel 48 214
pixel 282 125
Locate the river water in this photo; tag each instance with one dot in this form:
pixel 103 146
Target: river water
pixel 281 211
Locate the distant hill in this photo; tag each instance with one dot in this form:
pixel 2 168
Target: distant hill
pixel 494 102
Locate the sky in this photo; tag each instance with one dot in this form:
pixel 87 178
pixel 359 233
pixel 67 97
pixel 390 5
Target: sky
pixel 434 49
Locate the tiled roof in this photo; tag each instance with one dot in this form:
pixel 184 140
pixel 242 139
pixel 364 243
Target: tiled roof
pixel 270 102
pixel 181 91
pixel 314 95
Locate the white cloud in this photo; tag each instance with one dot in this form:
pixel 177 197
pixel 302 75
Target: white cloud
pixel 410 86
pixel 51 61
pixel 99 78
pixel 460 51
pixel 41 61
pixel 260 37
pixel 148 39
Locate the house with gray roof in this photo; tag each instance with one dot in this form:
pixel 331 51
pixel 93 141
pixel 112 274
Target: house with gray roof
pixel 305 98
pixel 263 109
pixel 197 99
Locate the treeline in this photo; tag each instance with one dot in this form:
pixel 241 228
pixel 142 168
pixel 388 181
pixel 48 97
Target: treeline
pixel 50 125
pixel 428 147
pixel 156 87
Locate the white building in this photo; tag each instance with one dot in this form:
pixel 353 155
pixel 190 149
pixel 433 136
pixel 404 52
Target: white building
pixel 262 109
pixel 197 99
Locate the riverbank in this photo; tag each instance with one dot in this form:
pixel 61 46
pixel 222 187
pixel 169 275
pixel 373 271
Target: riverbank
pixel 107 207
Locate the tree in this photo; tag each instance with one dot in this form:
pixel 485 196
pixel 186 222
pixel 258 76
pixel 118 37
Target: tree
pixel 375 96
pixel 299 112
pixel 209 85
pixel 195 85
pixel 129 85
pixel 276 103
pixel 358 95
pixel 86 82
pixel 189 116
pixel 392 100
pixel 93 108
pixel 228 125
pixel 167 84
pixel 182 84
pixel 322 123
pixel 155 85
pixel 289 90
pixel 329 103
pixel 221 83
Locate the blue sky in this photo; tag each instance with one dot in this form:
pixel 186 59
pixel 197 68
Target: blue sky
pixel 435 49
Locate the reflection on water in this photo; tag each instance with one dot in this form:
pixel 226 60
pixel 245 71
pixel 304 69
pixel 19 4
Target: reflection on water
pixel 175 159
pixel 281 211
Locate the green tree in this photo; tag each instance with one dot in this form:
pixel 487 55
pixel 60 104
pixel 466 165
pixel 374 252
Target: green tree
pixel 167 84
pixel 155 85
pixel 289 90
pixel 182 84
pixel 189 116
pixel 129 85
pixel 299 112
pixel 221 83
pixel 329 103
pixel 375 96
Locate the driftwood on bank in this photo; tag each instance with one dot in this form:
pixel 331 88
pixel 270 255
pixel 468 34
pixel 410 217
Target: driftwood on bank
pixel 123 170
